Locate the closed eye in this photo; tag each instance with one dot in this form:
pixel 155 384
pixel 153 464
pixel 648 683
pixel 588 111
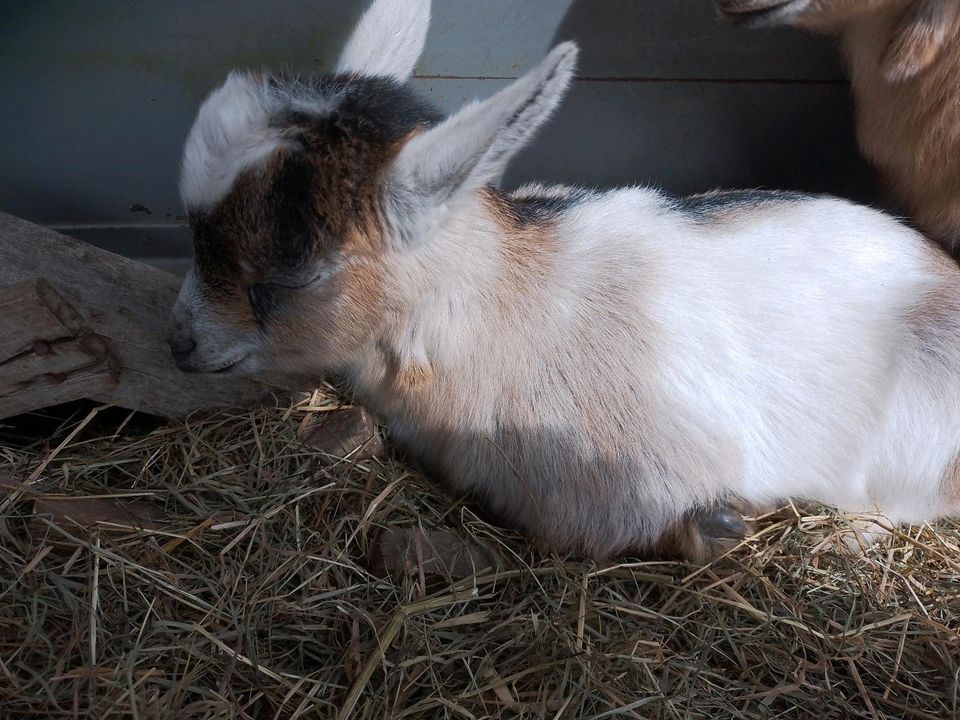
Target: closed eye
pixel 268 296
pixel 298 286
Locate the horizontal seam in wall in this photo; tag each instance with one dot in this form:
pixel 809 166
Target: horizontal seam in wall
pixel 650 79
pixel 60 227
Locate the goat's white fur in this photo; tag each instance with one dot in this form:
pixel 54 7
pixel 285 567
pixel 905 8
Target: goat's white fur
pixel 223 343
pixel 231 134
pixel 388 40
pixel 768 356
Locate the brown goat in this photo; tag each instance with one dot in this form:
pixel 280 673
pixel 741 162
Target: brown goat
pixel 904 62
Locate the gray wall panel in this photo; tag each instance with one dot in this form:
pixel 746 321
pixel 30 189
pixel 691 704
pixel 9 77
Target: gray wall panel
pixel 692 137
pixel 97 97
pixel 193 43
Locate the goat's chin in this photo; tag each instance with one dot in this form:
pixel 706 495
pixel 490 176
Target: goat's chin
pixel 761 13
pixel 236 365
pixel 294 364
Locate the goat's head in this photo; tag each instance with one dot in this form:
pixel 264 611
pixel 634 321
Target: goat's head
pixel 917 29
pixel 298 191
pixel 818 14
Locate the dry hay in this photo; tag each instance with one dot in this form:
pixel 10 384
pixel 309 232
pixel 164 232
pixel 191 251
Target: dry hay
pixel 248 594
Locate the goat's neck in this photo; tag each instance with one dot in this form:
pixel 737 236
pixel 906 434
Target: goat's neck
pixel 457 299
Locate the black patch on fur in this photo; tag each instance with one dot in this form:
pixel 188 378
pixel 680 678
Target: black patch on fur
pixel 291 232
pixel 706 205
pixel 208 254
pixel 534 208
pixel 365 106
pixel 372 112
pixel 264 301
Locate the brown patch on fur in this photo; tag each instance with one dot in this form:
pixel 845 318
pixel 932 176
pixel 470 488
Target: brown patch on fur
pixel 340 171
pixel 507 215
pixel 829 15
pixel 526 244
pixel 331 324
pixel 348 232
pixel 225 237
pixel 919 38
pixel 346 195
pixel 410 378
pixel 951 484
pixel 939 310
pixel 361 286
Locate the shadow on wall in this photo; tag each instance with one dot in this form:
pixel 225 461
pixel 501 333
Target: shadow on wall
pixel 670 96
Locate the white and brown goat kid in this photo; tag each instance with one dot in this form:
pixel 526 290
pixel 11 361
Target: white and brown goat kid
pixel 603 370
pixel 904 61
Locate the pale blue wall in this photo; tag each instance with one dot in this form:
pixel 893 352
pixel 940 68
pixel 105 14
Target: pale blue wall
pixel 96 98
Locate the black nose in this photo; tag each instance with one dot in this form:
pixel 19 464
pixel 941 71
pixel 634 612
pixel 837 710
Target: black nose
pixel 181 346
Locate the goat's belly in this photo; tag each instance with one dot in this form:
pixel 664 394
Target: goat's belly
pixel 901 462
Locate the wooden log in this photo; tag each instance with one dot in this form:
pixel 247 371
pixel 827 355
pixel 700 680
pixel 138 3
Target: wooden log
pixel 47 356
pixel 412 550
pixel 344 433
pixel 118 514
pixel 110 308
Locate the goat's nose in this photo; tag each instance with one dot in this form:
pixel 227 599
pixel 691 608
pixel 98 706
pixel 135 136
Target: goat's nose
pixel 181 345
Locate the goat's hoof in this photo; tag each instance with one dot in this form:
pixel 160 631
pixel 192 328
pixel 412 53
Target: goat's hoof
pixel 715 532
pixel 724 523
pixel 704 535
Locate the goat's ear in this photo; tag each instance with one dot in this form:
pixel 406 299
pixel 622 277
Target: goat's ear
pixel 473 146
pixel 919 37
pixel 388 39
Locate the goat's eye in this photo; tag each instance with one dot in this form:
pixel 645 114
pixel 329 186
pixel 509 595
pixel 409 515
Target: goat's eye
pixel 265 297
pixel 295 286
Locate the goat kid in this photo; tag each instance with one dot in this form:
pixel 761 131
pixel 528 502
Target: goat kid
pixel 904 61
pixel 605 370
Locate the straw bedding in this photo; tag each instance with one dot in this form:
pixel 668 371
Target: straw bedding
pixel 218 568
